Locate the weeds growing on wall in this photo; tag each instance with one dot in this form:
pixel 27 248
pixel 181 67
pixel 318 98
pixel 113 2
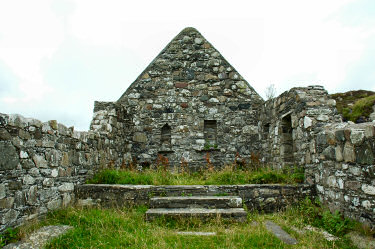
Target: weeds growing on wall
pixel 8 236
pixel 232 174
pixel 317 215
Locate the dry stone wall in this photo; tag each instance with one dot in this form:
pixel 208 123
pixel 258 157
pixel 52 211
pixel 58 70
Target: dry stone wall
pixel 192 107
pixel 260 197
pixel 111 120
pixel 289 123
pixel 41 163
pixel 343 169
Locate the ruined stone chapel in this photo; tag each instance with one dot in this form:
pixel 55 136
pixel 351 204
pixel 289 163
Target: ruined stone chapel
pixel 190 101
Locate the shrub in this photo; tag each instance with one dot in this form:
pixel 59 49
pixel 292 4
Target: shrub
pixel 335 223
pixel 106 176
pixel 269 177
pixel 8 236
pixel 315 214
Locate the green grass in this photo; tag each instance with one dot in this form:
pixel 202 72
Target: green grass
pixel 9 236
pixel 354 104
pixel 227 176
pixel 318 216
pixel 362 107
pixel 127 228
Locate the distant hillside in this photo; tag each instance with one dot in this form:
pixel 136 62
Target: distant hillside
pixel 355 106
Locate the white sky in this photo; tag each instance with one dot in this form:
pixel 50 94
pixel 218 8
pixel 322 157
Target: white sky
pixel 58 56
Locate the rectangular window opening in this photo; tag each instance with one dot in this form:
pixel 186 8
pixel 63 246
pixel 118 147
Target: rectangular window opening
pixel 165 136
pixel 266 130
pixel 210 133
pixel 287 144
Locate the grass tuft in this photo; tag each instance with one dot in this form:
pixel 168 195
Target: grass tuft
pixel 10 235
pixel 227 176
pixel 361 108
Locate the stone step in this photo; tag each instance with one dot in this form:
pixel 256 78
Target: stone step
pixel 196 202
pixel 235 214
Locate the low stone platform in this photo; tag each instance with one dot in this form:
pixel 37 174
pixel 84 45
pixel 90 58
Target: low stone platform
pixel 202 207
pixel 261 197
pixel 196 201
pixel 235 214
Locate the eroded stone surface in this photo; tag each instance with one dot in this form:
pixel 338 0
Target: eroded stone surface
pixel 9 157
pixel 346 181
pixel 197 233
pixel 361 241
pixel 280 233
pixel 39 238
pixel 236 214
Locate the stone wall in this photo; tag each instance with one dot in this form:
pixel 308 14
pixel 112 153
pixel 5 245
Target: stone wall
pixel 187 105
pixel 112 122
pixel 289 123
pixel 187 102
pixel 41 163
pixel 343 168
pixel 262 197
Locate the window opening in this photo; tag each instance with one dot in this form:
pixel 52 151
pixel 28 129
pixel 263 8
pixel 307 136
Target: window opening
pixel 286 149
pixel 210 134
pixel 165 135
pixel 266 131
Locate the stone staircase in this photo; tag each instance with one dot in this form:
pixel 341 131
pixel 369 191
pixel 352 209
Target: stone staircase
pixel 202 207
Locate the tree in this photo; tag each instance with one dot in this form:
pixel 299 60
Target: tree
pixel 271 91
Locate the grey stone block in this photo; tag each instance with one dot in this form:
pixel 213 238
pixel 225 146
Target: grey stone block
pixel 9 158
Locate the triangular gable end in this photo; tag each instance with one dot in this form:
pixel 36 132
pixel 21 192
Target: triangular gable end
pixel 188 59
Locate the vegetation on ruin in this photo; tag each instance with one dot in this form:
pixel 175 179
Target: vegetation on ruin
pixel 355 106
pixel 10 235
pixel 318 216
pixel 229 175
pixel 127 228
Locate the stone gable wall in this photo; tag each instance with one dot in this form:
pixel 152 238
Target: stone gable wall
pixel 189 105
pixel 190 82
pixel 41 163
pixel 343 169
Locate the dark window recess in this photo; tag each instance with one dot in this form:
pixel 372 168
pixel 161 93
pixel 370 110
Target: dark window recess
pixel 165 135
pixel 266 131
pixel 210 132
pixel 286 149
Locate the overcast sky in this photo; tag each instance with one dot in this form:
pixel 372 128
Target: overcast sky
pixel 58 56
